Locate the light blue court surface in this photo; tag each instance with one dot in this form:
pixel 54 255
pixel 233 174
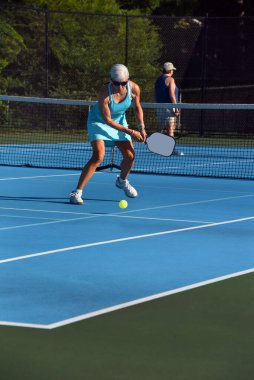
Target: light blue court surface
pixel 59 262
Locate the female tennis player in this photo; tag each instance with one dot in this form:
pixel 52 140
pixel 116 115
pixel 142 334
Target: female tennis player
pixel 107 123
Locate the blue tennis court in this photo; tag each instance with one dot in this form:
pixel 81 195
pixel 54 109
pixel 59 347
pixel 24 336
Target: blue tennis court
pixel 61 263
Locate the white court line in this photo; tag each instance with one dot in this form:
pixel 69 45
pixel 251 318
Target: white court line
pixel 146 299
pixel 206 165
pixel 52 222
pixel 27 217
pixel 89 215
pixel 25 325
pixel 112 241
pixel 192 203
pixel 44 176
pixel 45 211
pixel 159 219
pixel 39 176
pixel 131 211
pixel 196 189
pixel 143 186
pixel 126 304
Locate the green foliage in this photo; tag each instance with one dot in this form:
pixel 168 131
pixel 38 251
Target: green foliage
pixel 177 7
pixel 11 44
pixel 10 41
pixel 101 6
pixel 89 52
pixel 145 6
pixel 81 47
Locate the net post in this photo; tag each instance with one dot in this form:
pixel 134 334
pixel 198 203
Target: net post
pixel 178 122
pixel 112 158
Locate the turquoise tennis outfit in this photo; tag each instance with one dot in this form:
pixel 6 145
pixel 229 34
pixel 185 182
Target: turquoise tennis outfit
pixel 99 130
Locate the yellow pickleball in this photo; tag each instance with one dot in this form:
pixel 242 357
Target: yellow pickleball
pixel 123 204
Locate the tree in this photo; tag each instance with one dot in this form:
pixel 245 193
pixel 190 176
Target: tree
pixel 80 47
pixel 179 8
pixel 11 43
pixel 144 6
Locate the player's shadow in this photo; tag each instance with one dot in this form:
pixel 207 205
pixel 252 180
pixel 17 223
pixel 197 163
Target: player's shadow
pixel 100 200
pixel 34 199
pixel 50 199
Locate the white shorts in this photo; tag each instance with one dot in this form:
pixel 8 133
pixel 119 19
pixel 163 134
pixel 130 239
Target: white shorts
pixel 165 116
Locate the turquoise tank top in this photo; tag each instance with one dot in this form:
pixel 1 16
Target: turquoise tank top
pixel 98 129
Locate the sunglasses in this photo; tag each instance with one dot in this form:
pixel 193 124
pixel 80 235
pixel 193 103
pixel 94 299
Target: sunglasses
pixel 119 83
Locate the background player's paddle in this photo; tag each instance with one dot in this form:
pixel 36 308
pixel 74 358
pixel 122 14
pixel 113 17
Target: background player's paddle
pixel 160 144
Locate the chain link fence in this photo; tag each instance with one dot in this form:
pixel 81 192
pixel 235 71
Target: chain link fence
pixel 69 54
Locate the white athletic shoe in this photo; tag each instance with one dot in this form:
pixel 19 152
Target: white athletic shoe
pixel 127 188
pixel 75 198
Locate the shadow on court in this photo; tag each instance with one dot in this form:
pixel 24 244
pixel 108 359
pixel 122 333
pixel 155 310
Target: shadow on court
pixel 51 199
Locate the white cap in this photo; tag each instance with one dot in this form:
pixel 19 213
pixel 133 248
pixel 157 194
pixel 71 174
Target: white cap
pixel 119 72
pixel 168 66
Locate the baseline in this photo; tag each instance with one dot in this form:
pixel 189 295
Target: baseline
pixel 82 317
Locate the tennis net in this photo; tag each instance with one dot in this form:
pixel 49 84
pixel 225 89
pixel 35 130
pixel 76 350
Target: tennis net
pixel 216 140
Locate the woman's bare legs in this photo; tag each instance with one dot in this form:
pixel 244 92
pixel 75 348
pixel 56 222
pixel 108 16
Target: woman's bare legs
pixel 127 150
pixel 97 157
pixel 88 171
pixel 128 153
